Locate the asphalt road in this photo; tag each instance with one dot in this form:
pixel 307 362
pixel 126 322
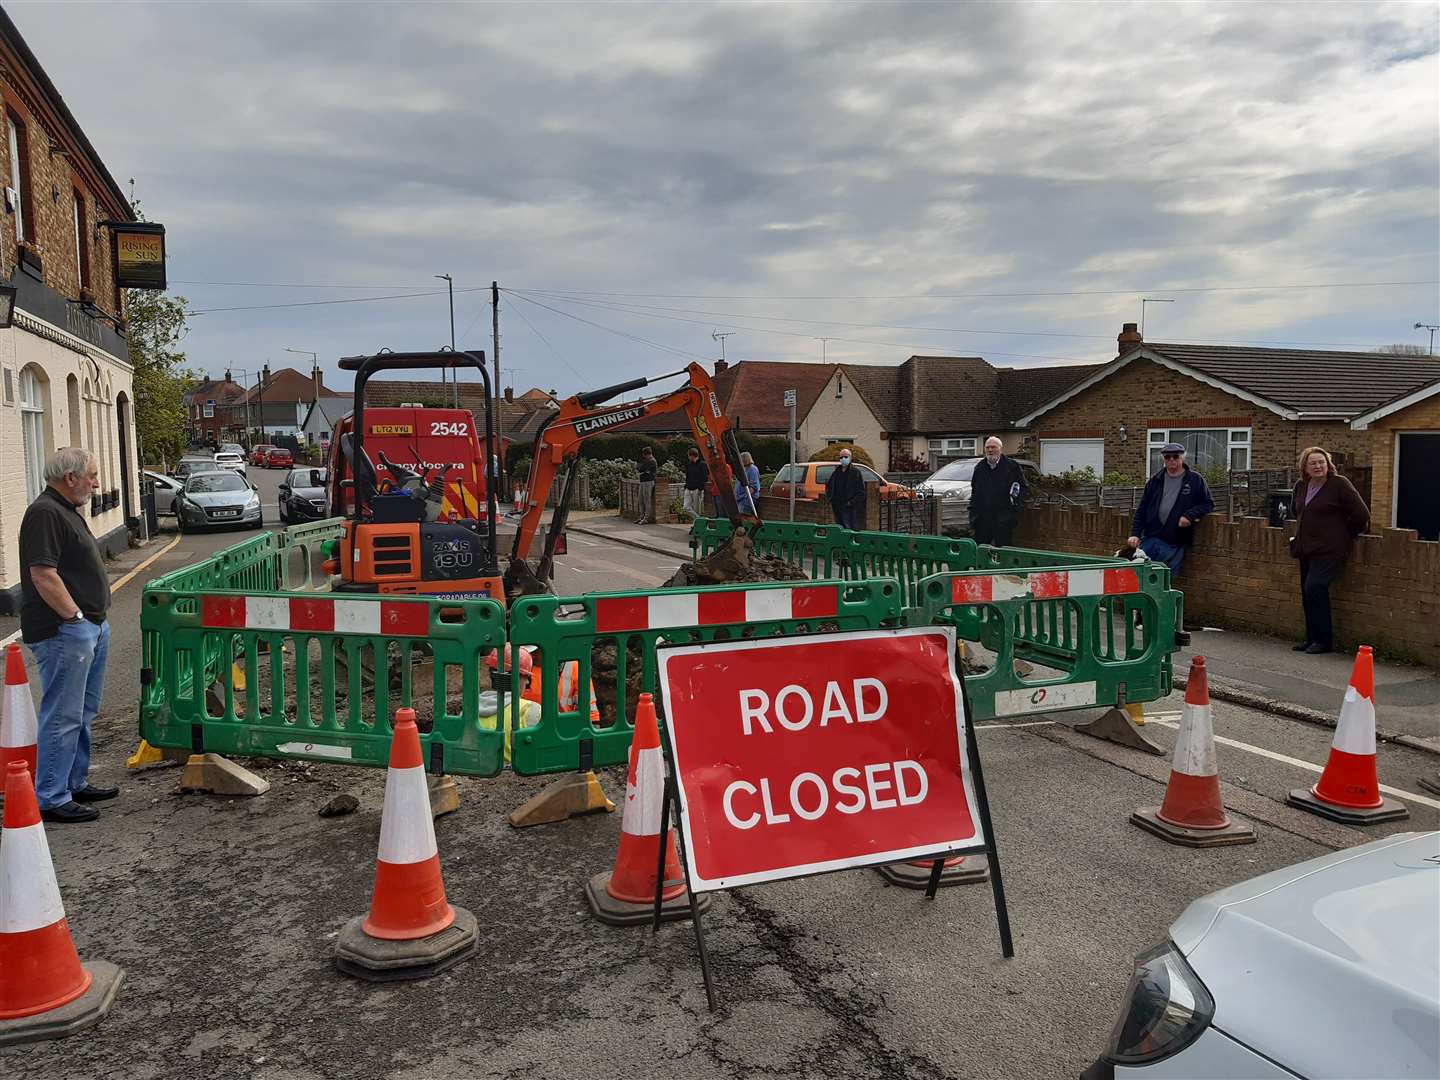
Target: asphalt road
pixel 224 912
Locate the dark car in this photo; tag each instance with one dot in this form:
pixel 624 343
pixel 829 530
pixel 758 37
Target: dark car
pixel 279 457
pixel 302 496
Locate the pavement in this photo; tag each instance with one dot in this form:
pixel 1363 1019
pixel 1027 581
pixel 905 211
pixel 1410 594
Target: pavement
pixel 1248 669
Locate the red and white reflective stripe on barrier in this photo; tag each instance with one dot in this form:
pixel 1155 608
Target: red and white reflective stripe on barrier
pixel 409 619
pixel 616 614
pixel 1043 585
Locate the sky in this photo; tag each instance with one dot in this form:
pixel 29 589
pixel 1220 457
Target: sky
pixel 854 182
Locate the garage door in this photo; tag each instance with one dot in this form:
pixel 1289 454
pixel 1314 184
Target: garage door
pixel 1062 455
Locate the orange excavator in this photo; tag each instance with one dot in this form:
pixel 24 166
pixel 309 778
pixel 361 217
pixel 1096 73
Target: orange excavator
pixel 557 445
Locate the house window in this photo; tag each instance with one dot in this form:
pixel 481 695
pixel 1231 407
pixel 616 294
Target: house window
pixel 954 447
pixel 32 432
pixel 82 247
pixel 1205 448
pixel 19 172
pixel 841 439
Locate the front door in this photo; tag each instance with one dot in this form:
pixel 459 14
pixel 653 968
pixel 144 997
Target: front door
pixel 1417 463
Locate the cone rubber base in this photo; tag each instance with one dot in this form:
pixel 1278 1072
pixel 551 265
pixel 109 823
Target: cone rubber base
pixel 1430 783
pixel 1388 810
pixel 83 1012
pixel 973 871
pixel 376 960
pixel 1117 726
pixel 1148 818
pixel 623 913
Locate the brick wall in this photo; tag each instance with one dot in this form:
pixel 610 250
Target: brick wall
pixel 1422 416
pixel 1144 391
pixel 1240 575
pixel 817 511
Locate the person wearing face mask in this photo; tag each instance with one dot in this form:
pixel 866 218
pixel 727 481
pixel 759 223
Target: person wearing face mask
pixel 1329 515
pixel 997 492
pixel 1175 499
pixel 846 491
pixel 65 598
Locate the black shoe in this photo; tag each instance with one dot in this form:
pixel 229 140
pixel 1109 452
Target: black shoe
pixel 92 793
pixel 1302 647
pixel 1315 648
pixel 70 813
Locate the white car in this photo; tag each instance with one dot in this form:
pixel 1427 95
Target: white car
pixel 952 484
pixel 1330 968
pixel 166 488
pixel 233 462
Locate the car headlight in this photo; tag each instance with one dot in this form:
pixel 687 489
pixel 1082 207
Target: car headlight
pixel 1166 1008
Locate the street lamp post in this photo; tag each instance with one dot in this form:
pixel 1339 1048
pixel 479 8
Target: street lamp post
pixel 314 376
pixel 450 283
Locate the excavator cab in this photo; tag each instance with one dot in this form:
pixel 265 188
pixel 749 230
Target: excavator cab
pixel 407 530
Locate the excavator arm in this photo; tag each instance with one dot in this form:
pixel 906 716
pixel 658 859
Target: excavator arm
pixel 579 418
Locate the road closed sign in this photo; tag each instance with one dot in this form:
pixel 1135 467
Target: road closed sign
pixel 797 756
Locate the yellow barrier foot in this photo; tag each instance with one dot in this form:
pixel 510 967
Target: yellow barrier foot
pixel 966 870
pixel 1117 727
pixel 377 960
pixel 144 754
pixel 220 776
pixel 444 795
pixel 571 795
pixel 1136 709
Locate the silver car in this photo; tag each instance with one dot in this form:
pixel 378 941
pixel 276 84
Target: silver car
pixel 216 499
pixel 952 484
pixel 193 463
pixel 166 488
pixel 1330 968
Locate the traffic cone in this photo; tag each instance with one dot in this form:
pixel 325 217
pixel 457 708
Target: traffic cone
pixel 411 931
pixel 1192 813
pixel 17 722
pixel 45 992
pixel 958 870
pixel 519 503
pixel 625 896
pixel 1349 790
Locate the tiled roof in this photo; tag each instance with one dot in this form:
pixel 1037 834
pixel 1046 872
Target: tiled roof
pixel 752 392
pixel 389 392
pixel 1308 381
pixel 287 384
pixel 1026 389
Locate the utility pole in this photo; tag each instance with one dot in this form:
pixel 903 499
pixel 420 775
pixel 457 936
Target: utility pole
pixel 1148 300
pixel 450 283
pixel 1432 329
pixel 495 350
pixel 824 349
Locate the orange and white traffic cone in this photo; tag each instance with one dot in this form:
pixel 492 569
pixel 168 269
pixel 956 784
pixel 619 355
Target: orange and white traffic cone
pixel 625 896
pixel 1349 788
pixel 17 721
pixel 411 932
pixel 519 504
pixel 1192 813
pixel 45 992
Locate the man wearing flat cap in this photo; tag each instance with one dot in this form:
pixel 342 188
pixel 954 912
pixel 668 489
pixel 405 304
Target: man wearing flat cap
pixel 1175 499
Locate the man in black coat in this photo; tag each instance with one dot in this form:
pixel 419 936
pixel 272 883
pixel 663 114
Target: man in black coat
pixel 846 490
pixel 997 492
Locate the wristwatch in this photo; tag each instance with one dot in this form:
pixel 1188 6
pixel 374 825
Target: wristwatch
pixel 78 617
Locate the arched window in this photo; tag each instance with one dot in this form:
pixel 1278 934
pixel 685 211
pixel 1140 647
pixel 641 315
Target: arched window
pixel 32 431
pixel 72 403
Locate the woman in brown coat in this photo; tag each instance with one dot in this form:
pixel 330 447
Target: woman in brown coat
pixel 1329 515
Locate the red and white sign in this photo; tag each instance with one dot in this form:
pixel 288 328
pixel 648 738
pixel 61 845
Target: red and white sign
pixel 796 756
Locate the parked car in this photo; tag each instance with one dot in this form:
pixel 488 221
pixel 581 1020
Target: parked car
pixel 231 448
pixel 257 455
pixel 215 499
pixel 952 484
pixel 166 488
pixel 279 457
pixel 1330 968
pixel 226 460
pixel 809 478
pixel 193 463
pixel 302 496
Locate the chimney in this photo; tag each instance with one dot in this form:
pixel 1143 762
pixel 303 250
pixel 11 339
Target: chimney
pixel 227 374
pixel 509 393
pixel 315 378
pixel 1129 336
pixel 265 375
pixel 721 365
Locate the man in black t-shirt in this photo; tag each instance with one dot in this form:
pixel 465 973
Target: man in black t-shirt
pixel 65 597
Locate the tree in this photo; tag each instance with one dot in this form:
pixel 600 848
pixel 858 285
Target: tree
pixel 155 325
pixel 832 453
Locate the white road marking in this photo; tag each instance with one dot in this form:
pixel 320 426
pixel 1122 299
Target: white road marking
pixel 126 579
pixel 1399 793
pixel 983 724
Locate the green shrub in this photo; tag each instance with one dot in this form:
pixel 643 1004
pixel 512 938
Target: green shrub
pixel 769 451
pixel 832 453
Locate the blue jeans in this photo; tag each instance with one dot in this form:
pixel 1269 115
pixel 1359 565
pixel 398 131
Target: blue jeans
pixel 1172 555
pixel 72 672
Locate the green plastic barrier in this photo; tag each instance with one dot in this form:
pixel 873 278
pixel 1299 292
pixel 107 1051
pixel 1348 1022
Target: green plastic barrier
pixel 322 675
pixel 1071 628
pixel 622 629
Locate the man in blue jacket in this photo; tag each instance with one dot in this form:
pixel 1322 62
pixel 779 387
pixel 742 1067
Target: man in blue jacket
pixel 1175 498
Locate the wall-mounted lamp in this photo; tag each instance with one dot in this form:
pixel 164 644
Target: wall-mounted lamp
pixel 1124 435
pixel 55 192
